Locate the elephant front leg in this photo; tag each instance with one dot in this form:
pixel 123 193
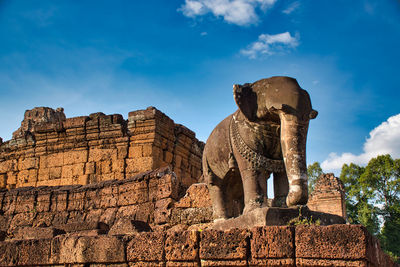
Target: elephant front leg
pixel 254 189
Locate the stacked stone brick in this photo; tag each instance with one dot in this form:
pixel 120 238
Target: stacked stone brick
pixel 328 195
pixel 151 198
pixel 50 149
pixel 336 245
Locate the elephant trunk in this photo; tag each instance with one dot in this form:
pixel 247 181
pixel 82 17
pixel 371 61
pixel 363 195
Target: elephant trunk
pixel 293 142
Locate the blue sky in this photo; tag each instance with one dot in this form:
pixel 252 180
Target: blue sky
pixel 184 56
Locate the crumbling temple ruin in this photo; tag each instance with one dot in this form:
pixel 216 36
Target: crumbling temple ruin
pixel 328 195
pixel 49 149
pixel 99 190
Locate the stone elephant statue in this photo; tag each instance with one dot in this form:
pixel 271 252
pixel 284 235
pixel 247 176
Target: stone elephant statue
pixel 266 135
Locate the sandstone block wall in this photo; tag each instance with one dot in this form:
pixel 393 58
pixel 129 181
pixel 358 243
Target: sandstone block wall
pixel 150 198
pixel 142 221
pixel 336 245
pixel 328 195
pixel 50 149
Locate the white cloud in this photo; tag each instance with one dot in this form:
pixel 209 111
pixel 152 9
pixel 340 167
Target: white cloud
pixel 292 7
pixel 270 44
pixel 240 12
pixel 384 139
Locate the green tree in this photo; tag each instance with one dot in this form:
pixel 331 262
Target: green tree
pixel 373 198
pixel 313 171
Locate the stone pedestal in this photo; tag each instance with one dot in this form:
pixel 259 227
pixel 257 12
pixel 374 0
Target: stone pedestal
pixel 269 216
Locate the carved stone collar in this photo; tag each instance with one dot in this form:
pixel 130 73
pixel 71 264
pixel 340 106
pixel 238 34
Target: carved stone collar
pixel 257 160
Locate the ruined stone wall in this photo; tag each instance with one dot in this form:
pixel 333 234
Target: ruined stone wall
pixel 328 195
pixel 142 221
pixel 50 149
pixel 336 245
pixel 151 198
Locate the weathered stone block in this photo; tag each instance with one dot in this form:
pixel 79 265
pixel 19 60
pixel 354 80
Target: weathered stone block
pixel 26 202
pixel 272 242
pixel 11 178
pixel 83 179
pixel 59 201
pixel 59 219
pixel 147 264
pixel 25 232
pixel 166 186
pixel 337 263
pixel 9 202
pixel 21 219
pixel 119 175
pixel 65 181
pixel 224 263
pixel 148 150
pixel 92 199
pixel 135 151
pixel 332 242
pixel 108 216
pixel 197 196
pixel 76 200
pixel 182 264
pixel 43 174
pixel 53 160
pixel 126 226
pixel 147 247
pixel 9 253
pixel 55 173
pixel 27 176
pixel 137 165
pixel 75 122
pixel 75 156
pixel 105 166
pixel 118 165
pixel 98 249
pixel 133 193
pixel 28 163
pixel 275 262
pixel 90 168
pixel 122 151
pixel 224 245
pixel 182 246
pixel 108 196
pixel 96 154
pixel 43 201
pixel 162 211
pixel 8 165
pixel 141 212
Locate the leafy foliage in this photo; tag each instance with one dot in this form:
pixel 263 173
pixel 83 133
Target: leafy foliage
pixel 313 171
pixel 373 199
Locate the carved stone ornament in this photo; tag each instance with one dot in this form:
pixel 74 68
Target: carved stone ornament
pixel 256 160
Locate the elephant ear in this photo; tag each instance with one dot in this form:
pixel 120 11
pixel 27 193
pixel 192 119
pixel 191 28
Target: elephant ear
pixel 246 99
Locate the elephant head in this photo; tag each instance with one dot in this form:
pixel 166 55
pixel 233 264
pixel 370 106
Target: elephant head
pixel 281 100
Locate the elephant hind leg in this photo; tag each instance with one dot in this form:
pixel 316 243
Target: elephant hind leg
pixel 218 200
pixel 216 189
